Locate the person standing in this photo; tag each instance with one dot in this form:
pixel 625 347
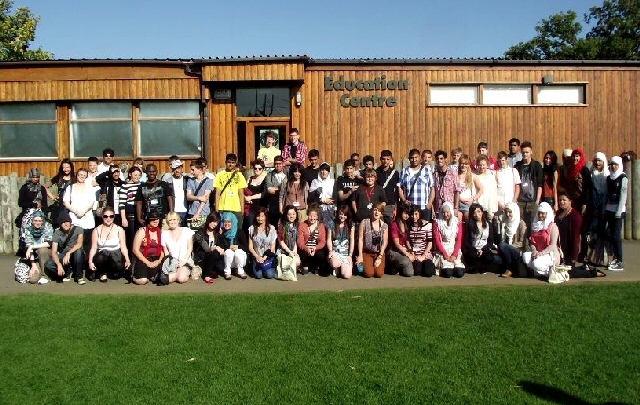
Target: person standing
pixel 273 182
pixel 295 151
pixel 110 184
pixel 446 187
pixel 107 160
pixel 269 152
pixel 416 185
pixel 153 196
pixel 61 181
pixel 230 186
pixel 508 182
pixel 312 171
pixel 367 196
pixel 31 195
pixel 514 152
pixel 346 186
pixel 388 178
pixel 530 185
pixel 615 208
pixel 199 189
pixel 178 182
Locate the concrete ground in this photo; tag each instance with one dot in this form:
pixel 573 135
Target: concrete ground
pixel 305 283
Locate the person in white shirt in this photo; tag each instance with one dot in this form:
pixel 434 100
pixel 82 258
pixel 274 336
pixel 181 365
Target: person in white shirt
pixel 107 160
pixel 508 181
pixel 179 183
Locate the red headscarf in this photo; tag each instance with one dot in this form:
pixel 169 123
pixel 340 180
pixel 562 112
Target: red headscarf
pixel 575 168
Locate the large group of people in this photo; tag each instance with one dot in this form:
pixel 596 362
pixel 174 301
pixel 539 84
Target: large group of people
pixel 444 214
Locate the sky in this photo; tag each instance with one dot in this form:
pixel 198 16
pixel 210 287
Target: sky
pixel 170 29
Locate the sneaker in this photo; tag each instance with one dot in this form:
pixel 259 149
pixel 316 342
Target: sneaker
pixel 43 281
pixel 82 281
pixel 334 273
pixel 616 266
pixel 227 276
pixel 164 279
pixel 66 278
pixel 612 264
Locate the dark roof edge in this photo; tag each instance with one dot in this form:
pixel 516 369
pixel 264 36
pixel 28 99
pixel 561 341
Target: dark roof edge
pixel 484 61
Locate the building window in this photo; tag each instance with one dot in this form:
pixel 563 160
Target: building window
pixel 455 94
pixel 561 94
pixel 28 130
pixel 507 94
pixel 96 126
pixel 263 102
pixel 170 128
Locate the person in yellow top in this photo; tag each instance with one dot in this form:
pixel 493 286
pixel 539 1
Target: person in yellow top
pixel 229 185
pixel 269 152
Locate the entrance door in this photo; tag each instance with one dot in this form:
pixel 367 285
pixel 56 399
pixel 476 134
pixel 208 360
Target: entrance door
pixel 255 138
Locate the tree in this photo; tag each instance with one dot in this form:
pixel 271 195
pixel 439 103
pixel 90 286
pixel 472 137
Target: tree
pixel 17 30
pixel 615 35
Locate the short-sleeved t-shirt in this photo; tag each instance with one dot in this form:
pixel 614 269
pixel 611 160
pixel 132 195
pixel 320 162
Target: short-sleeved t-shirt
pixel 268 154
pixel 177 248
pixel 230 197
pixel 154 197
pixel 192 186
pixel 262 242
pixel 60 237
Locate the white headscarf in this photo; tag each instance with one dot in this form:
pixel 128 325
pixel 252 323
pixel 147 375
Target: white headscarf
pixel 511 224
pixel 450 230
pixel 617 173
pixel 543 225
pixel 599 179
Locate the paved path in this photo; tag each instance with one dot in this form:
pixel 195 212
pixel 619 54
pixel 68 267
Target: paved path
pixel 305 283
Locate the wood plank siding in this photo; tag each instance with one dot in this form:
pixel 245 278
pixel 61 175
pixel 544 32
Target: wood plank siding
pixel 608 121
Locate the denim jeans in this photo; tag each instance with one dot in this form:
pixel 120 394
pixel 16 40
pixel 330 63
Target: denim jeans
pixel 257 273
pixel 76 263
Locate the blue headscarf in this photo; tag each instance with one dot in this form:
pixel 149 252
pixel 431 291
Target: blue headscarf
pixel 231 233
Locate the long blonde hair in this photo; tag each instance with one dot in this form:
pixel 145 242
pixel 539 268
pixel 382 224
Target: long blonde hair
pixel 468 177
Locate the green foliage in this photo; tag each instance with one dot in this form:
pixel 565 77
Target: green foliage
pixel 615 35
pixel 572 344
pixel 17 31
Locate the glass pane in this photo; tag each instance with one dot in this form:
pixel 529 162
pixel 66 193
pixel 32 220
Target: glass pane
pixel 263 102
pixel 100 110
pixel 560 94
pixel 27 111
pixel 165 138
pixel 454 94
pixel 28 140
pixel 506 94
pixel 169 109
pixel 90 138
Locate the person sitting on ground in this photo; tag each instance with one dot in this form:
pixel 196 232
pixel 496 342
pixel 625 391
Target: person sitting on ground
pixel 262 245
pixel 399 256
pixel 147 248
pixel 373 240
pixel 209 247
pixel 420 243
pixel 236 254
pixel 67 256
pixel 478 242
pixel 544 238
pixel 288 234
pixel 447 232
pixel 109 256
pixel 312 240
pixel 513 232
pixel 35 239
pixel 177 243
pixel 341 242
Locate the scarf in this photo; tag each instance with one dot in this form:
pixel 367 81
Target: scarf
pixel 36 233
pixel 511 225
pixel 448 230
pixel 575 168
pixel 147 233
pixel 544 225
pixel 231 233
pixel 290 234
pixel 617 173
pixel 599 179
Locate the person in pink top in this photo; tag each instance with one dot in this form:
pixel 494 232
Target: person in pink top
pixel 447 234
pixel 295 151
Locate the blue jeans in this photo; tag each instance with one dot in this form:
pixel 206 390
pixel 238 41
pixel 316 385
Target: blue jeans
pixel 257 273
pixel 509 254
pixel 76 263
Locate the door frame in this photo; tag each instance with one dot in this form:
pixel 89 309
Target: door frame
pixel 251 149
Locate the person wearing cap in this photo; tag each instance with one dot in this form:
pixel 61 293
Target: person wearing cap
pixel 147 248
pixel 67 256
pixel 179 183
pixel 321 192
pixel 268 152
pixel 35 239
pixel 110 182
pixel 166 176
pixel 107 160
pixel 31 195
pixel 615 209
pixel 153 196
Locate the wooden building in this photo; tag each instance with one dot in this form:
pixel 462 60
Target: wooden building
pixel 50 110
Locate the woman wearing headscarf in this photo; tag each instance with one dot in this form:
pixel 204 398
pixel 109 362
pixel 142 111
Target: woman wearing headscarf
pixel 31 195
pixel 236 254
pixel 615 208
pixel 511 241
pixel 447 233
pixel 35 240
pixel 544 237
pixel 577 181
pixel 595 207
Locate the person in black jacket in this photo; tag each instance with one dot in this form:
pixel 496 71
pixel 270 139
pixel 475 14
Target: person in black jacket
pixel 531 178
pixel 32 194
pixel 110 183
pixel 209 247
pixel 479 242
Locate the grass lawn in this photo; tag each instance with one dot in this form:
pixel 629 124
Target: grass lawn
pixel 573 344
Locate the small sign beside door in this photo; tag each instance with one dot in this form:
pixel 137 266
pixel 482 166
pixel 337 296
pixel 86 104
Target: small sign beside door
pixel 222 94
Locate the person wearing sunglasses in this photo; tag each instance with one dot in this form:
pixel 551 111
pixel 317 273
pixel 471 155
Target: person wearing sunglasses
pixel 108 257
pixel 255 193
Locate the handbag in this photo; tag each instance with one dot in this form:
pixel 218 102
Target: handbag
pixel 268 264
pixel 102 203
pixel 559 274
pixel 286 269
pixel 21 271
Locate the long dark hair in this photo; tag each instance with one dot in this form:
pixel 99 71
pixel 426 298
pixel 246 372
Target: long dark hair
pixel 473 226
pixel 256 226
pixel 296 167
pixel 283 219
pixel 344 209
pixel 402 209
pixel 554 162
pixel 415 209
pixel 59 176
pixel 212 217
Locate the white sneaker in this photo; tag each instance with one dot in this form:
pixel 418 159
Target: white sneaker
pixel 43 281
pixel 616 266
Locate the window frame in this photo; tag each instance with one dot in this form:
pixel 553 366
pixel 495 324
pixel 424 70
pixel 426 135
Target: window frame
pixel 32 121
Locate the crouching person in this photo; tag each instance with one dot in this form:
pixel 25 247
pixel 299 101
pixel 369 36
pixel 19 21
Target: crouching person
pixel 544 237
pixel 67 257
pixel 447 233
pixel 109 256
pixel 236 255
pixel 177 243
pixel 147 248
pixel 35 239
